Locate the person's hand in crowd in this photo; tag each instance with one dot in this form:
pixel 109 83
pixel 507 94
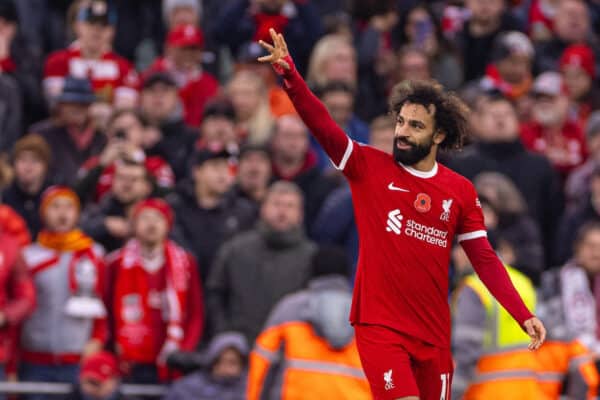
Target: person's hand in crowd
pixel 92 347
pixel 117 226
pixel 112 151
pixel 169 347
pixel 384 22
pixel 8 31
pixel 277 52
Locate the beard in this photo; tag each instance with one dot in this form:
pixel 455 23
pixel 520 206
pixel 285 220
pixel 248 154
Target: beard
pixel 416 153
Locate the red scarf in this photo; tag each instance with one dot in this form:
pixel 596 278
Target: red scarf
pixel 512 91
pixel 266 21
pixel 131 310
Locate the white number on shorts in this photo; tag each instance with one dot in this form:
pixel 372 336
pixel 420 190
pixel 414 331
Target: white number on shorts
pixel 445 386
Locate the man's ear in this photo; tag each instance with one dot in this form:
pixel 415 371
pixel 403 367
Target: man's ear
pixel 439 136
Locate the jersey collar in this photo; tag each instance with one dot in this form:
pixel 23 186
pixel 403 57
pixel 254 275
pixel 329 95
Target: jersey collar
pixel 421 174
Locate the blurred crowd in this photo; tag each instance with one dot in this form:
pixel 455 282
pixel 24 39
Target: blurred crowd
pixel 166 216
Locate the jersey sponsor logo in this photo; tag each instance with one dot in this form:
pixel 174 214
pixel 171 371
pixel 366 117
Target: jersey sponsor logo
pixel 446 204
pixel 422 203
pixel 416 230
pixel 392 187
pixel 387 378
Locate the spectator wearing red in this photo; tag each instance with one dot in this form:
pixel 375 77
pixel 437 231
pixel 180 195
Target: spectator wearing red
pixel 183 61
pixel 550 132
pixel 90 56
pixel 157 302
pixel 68 271
pixel 99 378
pixel 541 19
pixel 578 69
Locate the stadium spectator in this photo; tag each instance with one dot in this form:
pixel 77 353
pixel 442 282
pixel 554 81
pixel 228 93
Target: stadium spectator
pixel 512 222
pixel 413 64
pixel 333 59
pixel 308 336
pixel 550 132
pixel 420 29
pixel 183 61
pixel 499 149
pixel 70 319
pixel 31 158
pixel 72 134
pixel 224 375
pixel 540 19
pixel 577 185
pixel 218 128
pixel 294 161
pixel 588 209
pixel 251 20
pixel 578 69
pixel 113 78
pixel 509 70
pixel 128 137
pixel 156 295
pixel 248 93
pixel 273 259
pixel 206 212
pixel 181 12
pixel 99 379
pixel 487 20
pixel 160 104
pixel 107 222
pixel 253 174
pixel 572 25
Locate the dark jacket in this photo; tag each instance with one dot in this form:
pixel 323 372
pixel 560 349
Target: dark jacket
pixel 201 385
pixel 176 146
pixel 251 273
pixel 571 222
pixel 301 31
pixel 531 173
pixel 92 221
pixel 11 112
pixel 202 230
pixel 26 205
pixel 66 157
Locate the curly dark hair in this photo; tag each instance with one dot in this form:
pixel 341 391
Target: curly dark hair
pixel 450 111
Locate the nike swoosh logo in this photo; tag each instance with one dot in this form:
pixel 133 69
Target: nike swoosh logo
pixel 392 187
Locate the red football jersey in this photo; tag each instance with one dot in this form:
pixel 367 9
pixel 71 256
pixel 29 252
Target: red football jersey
pixel 407 221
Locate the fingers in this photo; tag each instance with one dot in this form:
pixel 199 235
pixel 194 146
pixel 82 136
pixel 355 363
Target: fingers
pixel 273 35
pixel 283 44
pixel 265 58
pixel 266 46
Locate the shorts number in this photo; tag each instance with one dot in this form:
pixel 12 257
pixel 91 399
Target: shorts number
pixel 444 395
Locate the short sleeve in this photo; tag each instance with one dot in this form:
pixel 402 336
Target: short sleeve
pixel 471 224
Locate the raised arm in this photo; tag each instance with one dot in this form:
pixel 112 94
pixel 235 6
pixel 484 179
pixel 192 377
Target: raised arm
pixel 314 114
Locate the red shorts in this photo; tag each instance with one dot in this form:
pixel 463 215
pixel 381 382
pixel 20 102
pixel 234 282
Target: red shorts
pixel 398 365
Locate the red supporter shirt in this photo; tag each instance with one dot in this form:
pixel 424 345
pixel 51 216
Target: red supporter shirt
pixel 113 78
pixel 407 221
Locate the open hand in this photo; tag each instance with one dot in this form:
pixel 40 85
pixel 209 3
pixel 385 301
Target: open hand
pixel 535 329
pixel 278 51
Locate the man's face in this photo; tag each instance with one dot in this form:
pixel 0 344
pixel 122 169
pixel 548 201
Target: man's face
pixel 515 69
pixel 73 115
pixel 30 170
pixel 587 253
pixel 282 211
pixel 414 134
pixel 95 36
pixel 290 141
pixel 159 101
pixel 254 170
pixel 487 11
pixel 572 21
pixel 550 111
pixel 130 183
pixel 413 66
pixel 150 227
pixel 577 82
pixel 246 97
pixel 341 65
pixel 183 15
pixel 271 6
pixel 92 388
pixel 185 58
pixel 218 130
pixel 131 126
pixel 496 121
pixel 61 215
pixel 215 175
pixel 382 139
pixel 229 365
pixel 340 105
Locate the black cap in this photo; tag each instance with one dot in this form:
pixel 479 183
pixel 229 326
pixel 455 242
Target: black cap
pixel 97 11
pixel 158 77
pixel 204 155
pixel 254 148
pixel 219 108
pixel 330 260
pixel 76 90
pixel 8 11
